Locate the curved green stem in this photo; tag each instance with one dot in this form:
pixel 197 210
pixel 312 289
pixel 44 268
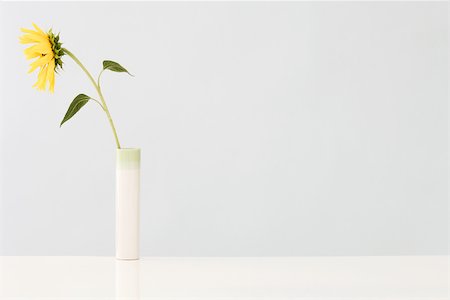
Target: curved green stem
pixel 98 103
pixel 97 87
pixel 98 78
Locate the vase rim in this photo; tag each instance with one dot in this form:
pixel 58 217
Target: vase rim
pixel 128 149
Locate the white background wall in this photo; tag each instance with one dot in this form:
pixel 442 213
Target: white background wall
pixel 265 128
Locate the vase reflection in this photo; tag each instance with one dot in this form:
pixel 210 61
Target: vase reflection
pixel 127 279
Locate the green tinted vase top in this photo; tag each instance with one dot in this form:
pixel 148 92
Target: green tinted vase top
pixel 128 158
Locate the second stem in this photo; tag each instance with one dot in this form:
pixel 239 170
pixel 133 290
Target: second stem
pixel 99 91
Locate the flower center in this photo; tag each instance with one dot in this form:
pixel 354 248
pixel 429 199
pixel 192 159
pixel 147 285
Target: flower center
pixel 58 52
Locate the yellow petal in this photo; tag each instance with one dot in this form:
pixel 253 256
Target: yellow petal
pixel 51 75
pixel 40 84
pixel 41 61
pixel 40 48
pixel 25 30
pixel 32 38
pixel 26 39
pixel 36 50
pixel 38 29
pixel 30 54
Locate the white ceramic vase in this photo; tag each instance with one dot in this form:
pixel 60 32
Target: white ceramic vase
pixel 128 165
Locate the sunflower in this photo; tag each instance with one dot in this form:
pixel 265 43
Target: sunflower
pixel 48 52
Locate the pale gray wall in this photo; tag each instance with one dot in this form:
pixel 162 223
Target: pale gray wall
pixel 266 129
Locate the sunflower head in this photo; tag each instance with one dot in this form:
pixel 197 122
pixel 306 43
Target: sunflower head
pixel 46 51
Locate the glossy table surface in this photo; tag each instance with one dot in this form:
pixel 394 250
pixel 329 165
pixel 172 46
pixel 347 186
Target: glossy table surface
pixel 383 277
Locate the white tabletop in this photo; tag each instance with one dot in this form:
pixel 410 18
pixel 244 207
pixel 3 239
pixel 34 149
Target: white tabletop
pixel 420 277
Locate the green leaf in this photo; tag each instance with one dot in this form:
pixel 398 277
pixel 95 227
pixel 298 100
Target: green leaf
pixel 113 66
pixel 75 106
